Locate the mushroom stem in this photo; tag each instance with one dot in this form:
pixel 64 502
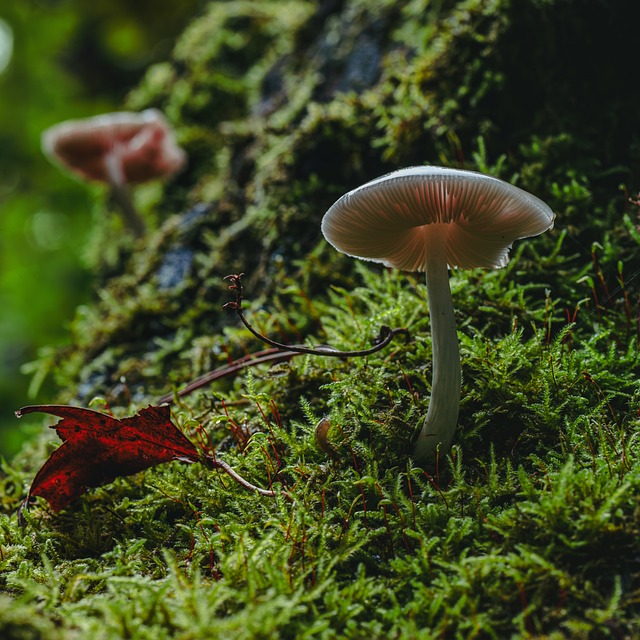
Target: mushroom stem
pixel 121 196
pixel 440 422
pixel 130 216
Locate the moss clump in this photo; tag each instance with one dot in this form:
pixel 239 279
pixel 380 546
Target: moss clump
pixel 531 526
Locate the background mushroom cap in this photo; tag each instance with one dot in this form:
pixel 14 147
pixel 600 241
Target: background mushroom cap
pixel 480 216
pixel 143 143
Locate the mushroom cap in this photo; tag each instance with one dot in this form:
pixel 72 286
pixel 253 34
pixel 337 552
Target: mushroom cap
pixel 387 220
pixel 136 146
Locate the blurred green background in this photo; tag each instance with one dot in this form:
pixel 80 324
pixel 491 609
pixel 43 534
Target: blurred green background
pixel 59 59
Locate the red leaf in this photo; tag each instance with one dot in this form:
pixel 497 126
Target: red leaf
pixel 97 448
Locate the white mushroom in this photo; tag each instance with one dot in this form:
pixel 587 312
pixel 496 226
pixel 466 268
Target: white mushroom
pixel 428 219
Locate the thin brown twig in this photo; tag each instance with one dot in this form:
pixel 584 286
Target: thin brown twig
pixel 219 464
pixel 250 360
pixel 277 353
pixel 385 336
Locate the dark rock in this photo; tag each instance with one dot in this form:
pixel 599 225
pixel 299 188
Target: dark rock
pixel 175 267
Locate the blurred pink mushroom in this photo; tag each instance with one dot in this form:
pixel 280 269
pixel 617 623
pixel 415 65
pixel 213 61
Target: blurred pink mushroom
pixel 120 149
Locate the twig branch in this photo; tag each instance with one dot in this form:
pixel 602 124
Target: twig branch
pixel 215 463
pixel 250 360
pixel 385 336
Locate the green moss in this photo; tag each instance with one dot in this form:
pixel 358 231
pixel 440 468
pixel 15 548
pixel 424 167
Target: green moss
pixel 530 528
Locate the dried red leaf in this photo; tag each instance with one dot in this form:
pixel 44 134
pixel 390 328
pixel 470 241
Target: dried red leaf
pixel 97 448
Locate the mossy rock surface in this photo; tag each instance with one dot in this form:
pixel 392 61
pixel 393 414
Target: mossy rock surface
pixel 530 527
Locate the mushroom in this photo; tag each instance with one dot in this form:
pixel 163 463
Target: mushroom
pixel 120 149
pixel 428 219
